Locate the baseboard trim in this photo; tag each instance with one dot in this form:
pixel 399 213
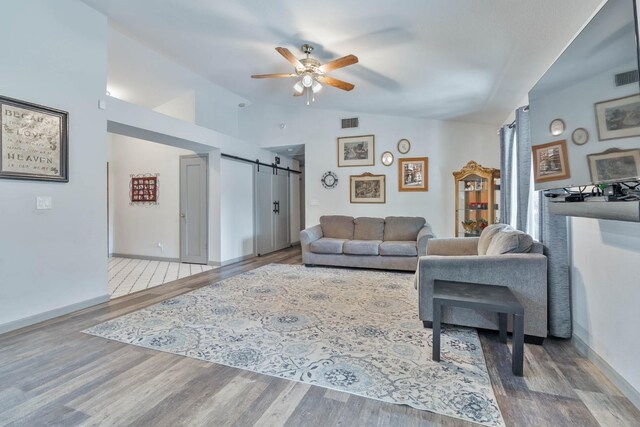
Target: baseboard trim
pixel 234 260
pixel 627 389
pixel 146 258
pixel 47 315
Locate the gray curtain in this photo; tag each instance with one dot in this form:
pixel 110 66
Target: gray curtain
pixel 553 228
pixel 507 135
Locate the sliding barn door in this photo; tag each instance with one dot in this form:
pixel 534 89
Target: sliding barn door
pixel 271 210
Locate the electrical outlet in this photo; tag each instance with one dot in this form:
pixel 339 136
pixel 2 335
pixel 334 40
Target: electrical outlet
pixel 44 202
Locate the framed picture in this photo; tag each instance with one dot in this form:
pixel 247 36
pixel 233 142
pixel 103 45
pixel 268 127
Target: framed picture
pixel 550 161
pixel 367 188
pixel 33 142
pixel 614 165
pixel 413 174
pixel 356 151
pixel 618 118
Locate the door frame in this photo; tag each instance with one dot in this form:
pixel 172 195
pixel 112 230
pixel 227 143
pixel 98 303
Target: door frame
pixel 205 157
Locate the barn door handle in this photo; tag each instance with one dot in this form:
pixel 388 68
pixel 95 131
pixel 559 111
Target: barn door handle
pixel 275 209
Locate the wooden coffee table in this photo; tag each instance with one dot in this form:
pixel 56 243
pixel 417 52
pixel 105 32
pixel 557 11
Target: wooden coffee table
pixel 498 299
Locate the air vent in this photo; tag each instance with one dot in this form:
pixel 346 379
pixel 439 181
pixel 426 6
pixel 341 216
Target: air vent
pixel 626 78
pixel 350 123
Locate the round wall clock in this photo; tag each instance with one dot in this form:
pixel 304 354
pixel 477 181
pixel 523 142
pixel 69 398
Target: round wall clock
pixel 556 127
pixel 404 146
pixel 387 158
pixel 329 180
pixel 580 136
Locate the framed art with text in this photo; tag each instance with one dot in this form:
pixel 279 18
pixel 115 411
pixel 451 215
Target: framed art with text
pixel 33 142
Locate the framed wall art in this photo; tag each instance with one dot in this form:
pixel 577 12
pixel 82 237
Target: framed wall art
pixel 550 161
pixel 614 165
pixel 618 118
pixel 413 174
pixel 356 151
pixel 144 189
pixel 367 188
pixel 33 142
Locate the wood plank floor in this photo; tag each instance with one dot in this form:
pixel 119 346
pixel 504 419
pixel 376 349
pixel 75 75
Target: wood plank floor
pixel 53 374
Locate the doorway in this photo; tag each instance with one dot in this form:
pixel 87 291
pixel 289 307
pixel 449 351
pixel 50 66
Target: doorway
pixel 272 214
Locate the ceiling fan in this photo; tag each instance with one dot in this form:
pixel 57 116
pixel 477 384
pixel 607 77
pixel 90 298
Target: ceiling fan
pixel 310 73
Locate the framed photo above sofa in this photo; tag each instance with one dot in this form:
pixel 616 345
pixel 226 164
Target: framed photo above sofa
pixel 367 188
pixel 550 161
pixel 413 174
pixel 618 118
pixel 356 151
pixel 614 165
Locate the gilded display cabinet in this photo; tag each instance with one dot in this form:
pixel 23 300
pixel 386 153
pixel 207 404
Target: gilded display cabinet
pixel 477 193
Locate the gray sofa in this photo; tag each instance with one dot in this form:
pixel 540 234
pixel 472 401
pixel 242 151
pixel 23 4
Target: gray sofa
pixel 500 256
pixel 391 243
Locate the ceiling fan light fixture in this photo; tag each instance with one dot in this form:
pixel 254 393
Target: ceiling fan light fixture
pixel 307 80
pixel 298 88
pixel 316 86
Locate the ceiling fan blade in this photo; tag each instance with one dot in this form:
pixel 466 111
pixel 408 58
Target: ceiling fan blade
pixel 289 57
pixel 339 63
pixel 336 83
pixel 298 94
pixel 272 76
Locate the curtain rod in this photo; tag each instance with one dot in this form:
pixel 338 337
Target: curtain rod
pixel 259 163
pixel 513 123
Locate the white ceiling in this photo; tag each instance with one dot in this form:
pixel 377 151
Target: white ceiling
pixel 465 60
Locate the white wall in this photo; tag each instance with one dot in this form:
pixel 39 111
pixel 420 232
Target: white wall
pixel 237 228
pixel 56 258
pixel 182 107
pixel 449 146
pixel 605 273
pixel 139 228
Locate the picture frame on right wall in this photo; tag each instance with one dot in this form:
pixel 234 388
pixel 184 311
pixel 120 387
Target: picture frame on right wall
pixel 614 165
pixel 618 118
pixel 550 161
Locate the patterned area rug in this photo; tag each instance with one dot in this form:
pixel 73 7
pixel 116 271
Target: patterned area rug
pixel 355 331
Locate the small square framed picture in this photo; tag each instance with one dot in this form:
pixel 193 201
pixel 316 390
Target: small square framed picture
pixel 550 161
pixel 413 174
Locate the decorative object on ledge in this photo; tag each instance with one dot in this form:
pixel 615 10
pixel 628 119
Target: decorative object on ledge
pixel 614 165
pixel 413 174
pixel 367 188
pixel 404 146
pixel 387 158
pixel 580 136
pixel 329 180
pixel 618 118
pixel 556 127
pixel 476 189
pixel 144 189
pixel 356 151
pixel 33 142
pixel 550 161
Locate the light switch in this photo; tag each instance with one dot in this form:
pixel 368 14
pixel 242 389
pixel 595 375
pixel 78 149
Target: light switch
pixel 102 104
pixel 44 202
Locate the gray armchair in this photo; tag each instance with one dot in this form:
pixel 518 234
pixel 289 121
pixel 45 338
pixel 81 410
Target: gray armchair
pixel 458 259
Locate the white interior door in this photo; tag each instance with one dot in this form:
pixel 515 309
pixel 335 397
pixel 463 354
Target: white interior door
pixel 194 239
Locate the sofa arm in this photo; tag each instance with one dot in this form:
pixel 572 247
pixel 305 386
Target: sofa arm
pixel 453 246
pixel 424 236
pixel 524 274
pixel 307 236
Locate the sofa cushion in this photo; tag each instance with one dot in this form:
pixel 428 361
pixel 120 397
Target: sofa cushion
pixel 510 241
pixel 327 245
pixel 398 248
pixel 398 228
pixel 337 226
pixel 368 228
pixel 487 235
pixel 361 247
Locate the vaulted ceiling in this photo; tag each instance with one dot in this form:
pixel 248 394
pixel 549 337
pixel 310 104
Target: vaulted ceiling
pixel 464 60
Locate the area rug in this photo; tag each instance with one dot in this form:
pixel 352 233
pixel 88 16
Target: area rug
pixel 355 331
